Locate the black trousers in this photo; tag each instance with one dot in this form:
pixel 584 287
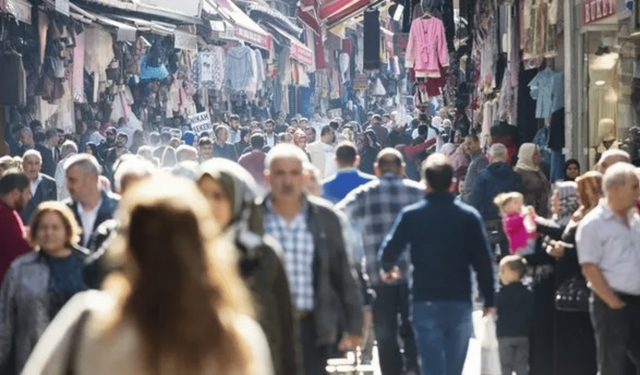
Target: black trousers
pixel 391 322
pixel 617 334
pixel 314 356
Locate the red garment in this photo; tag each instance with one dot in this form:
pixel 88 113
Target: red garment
pixel 434 85
pixel 347 46
pixel 509 143
pixel 253 162
pixel 12 238
pixel 410 152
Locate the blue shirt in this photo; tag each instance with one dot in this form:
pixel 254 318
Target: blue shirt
pixel 440 255
pixel 336 188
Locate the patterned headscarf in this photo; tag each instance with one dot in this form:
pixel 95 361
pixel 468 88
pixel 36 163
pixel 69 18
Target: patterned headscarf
pixel 589 192
pixel 569 203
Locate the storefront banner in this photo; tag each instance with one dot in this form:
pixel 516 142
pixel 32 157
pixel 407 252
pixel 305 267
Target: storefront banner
pixel 185 41
pixel 302 54
pixel 20 9
pixel 360 82
pixel 244 28
pixel 200 122
pixel 596 10
pixel 62 7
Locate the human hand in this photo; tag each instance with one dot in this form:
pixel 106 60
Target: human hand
pixel 395 274
pixel 349 342
pixel 490 311
pixel 617 304
pixel 556 249
pixel 532 211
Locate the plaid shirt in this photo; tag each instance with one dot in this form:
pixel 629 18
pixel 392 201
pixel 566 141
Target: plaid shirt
pixel 297 244
pixel 376 206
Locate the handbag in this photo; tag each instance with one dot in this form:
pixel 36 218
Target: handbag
pixel 75 344
pixel 573 295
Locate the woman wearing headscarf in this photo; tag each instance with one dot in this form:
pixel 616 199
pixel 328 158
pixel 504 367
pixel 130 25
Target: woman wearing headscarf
pixel 574 340
pixel 535 184
pixel 369 151
pixel 231 193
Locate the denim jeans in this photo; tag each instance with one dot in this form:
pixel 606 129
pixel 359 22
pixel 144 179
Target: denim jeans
pixel 557 166
pixel 443 330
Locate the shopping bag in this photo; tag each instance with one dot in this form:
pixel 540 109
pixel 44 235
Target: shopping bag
pixel 490 357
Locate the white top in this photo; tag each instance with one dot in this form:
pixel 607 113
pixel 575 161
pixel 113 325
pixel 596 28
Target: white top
pixel 34 185
pixel 121 351
pixel 129 132
pixel 88 218
pixel 330 168
pixel 271 139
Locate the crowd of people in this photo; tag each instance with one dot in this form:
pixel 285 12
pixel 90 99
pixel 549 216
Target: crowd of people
pixel 268 248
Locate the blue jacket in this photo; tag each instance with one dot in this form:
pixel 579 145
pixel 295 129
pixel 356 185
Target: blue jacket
pixel 495 179
pixel 440 256
pixel 335 188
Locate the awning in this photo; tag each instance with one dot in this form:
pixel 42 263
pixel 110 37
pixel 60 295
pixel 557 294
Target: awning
pixel 276 15
pixel 338 11
pixel 140 7
pixel 308 16
pixel 299 51
pixel 240 25
pixel 20 9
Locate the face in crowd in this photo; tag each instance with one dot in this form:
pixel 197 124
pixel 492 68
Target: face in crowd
pixel 80 183
pixel 287 179
pixel 31 165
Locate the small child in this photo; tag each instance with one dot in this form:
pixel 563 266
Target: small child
pixel 518 223
pixel 514 303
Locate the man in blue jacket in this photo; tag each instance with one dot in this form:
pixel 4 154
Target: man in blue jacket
pixel 446 238
pixel 497 178
pixel 336 188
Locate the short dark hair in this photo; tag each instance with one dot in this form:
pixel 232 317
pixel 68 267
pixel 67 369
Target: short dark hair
pixel 377 118
pixel 269 121
pixel 244 131
pixel 327 129
pixel 437 170
pixel 346 153
pixel 335 125
pixel 165 137
pixel 50 133
pixel 39 136
pixel 205 141
pixel 234 118
pixel 313 130
pixel 389 160
pixel 257 141
pixel 35 124
pixel 13 179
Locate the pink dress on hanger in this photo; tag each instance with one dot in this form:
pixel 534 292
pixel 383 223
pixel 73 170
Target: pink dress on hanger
pixel 427 47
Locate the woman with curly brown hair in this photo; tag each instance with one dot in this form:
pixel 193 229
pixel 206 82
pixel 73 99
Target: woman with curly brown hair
pixel 178 306
pixel 39 283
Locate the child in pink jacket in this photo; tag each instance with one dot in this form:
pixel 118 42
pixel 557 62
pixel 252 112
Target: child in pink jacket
pixel 518 223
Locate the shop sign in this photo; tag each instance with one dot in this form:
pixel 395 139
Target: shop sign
pixel 302 53
pixel 596 10
pixel 200 122
pixel 189 8
pixel 360 82
pixel 185 41
pixel 20 9
pixel 252 37
pixel 62 7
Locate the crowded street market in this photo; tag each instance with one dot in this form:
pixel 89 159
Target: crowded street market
pixel 316 187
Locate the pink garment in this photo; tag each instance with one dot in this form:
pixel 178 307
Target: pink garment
pixel 78 70
pixel 427 47
pixel 516 231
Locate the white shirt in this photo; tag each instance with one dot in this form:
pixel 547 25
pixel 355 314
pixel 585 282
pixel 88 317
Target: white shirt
pixel 330 168
pixel 270 139
pixel 88 218
pixel 34 185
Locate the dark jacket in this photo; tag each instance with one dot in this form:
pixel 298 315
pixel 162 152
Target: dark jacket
pixel 514 303
pixel 227 151
pixel 49 164
pixel 105 212
pixel 335 281
pixel 47 191
pixel 440 256
pixel 495 179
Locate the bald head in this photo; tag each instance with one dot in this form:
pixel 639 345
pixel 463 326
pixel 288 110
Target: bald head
pixel 389 160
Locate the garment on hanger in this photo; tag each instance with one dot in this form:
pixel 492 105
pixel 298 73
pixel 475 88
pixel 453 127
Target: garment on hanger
pixel 14 78
pixel 371 26
pixel 209 68
pixel 547 89
pixel 427 47
pixel 240 68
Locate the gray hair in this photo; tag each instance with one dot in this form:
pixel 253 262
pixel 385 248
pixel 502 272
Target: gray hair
pixel 617 154
pixel 285 151
pixel 68 147
pixel 617 175
pixel 498 151
pixel 25 131
pixel 183 152
pixel 187 169
pixel 34 153
pixel 137 167
pixel 86 162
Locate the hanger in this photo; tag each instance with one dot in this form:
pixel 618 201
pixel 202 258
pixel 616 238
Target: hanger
pixel 425 13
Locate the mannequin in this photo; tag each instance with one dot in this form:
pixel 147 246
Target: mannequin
pixel 603 89
pixel 607 140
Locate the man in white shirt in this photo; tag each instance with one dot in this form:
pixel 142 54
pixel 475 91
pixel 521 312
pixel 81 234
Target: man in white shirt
pixel 43 188
pixel 322 152
pixel 91 205
pixel 270 137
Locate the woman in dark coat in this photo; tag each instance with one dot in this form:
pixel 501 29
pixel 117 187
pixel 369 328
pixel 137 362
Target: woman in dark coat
pixel 231 192
pixel 369 151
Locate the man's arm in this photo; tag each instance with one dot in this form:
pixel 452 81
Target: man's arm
pixel 481 258
pixel 477 191
pixel 395 243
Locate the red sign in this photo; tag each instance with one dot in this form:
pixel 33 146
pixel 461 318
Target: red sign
pixel 596 10
pixel 302 53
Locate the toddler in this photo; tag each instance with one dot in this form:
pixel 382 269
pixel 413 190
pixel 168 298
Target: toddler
pixel 518 223
pixel 514 303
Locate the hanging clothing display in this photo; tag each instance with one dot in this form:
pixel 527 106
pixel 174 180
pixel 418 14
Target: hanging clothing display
pixel 547 89
pixel 240 68
pixel 14 78
pixel 371 25
pixel 260 74
pixel 427 48
pixel 209 68
pixel 603 92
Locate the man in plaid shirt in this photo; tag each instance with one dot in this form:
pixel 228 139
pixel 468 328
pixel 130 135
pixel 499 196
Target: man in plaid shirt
pixel 376 206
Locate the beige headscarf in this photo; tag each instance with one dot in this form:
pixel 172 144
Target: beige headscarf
pixel 525 157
